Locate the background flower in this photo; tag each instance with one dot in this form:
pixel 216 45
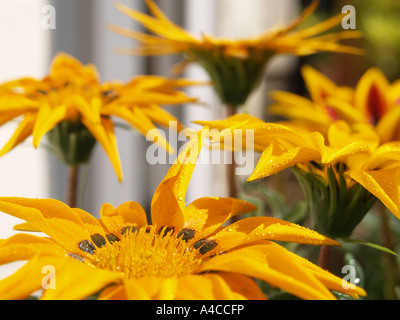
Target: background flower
pixel 235 66
pixel 75 111
pixel 72 93
pixel 373 101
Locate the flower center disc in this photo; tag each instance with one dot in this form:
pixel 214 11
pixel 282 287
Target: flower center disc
pixel 145 253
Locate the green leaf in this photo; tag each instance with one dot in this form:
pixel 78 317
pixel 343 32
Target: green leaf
pixel 369 244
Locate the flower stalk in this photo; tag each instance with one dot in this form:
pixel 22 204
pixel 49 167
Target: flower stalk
pixel 72 187
pixel 73 144
pixel 324 257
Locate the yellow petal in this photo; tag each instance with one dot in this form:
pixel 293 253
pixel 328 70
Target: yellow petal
pixel 331 281
pixel 126 215
pixel 243 287
pixel 104 134
pixel 163 28
pixel 90 110
pixel 162 117
pixel 10 103
pixel 383 184
pixel 152 288
pixel 114 292
pixel 370 94
pixel 15 286
pixel 346 111
pixel 23 131
pixel 273 264
pixel 76 280
pixel 384 157
pixel 25 246
pixel 91 224
pixel 305 14
pixel 64 67
pixel 10 115
pixel 169 198
pixel 265 228
pixel 287 105
pixel 205 215
pixel 270 163
pixel 50 216
pixel 141 122
pixel 47 118
pixel 318 85
pixel 25 226
pixel 218 286
pixel 389 124
pixel 137 291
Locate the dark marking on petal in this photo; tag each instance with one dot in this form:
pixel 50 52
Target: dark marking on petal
pixel 186 234
pixel 108 92
pixel 165 231
pixel 112 237
pixel 208 246
pixel 87 246
pixel 205 245
pixel 41 91
pixel 199 243
pixel 98 240
pixel 131 229
pixel 76 256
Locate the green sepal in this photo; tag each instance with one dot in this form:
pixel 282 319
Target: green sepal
pixel 71 142
pixel 234 78
pixel 335 208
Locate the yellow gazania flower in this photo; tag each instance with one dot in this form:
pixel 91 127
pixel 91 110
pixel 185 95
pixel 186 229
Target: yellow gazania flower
pixel 235 66
pixel 187 253
pixel 75 109
pixel 373 101
pixel 357 148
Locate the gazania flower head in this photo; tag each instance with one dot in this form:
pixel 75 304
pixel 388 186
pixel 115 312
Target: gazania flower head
pixel 186 253
pixel 347 158
pixel 74 109
pixel 374 101
pixel 235 66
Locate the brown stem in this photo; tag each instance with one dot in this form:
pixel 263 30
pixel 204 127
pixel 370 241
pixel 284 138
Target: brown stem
pixel 72 187
pixel 324 257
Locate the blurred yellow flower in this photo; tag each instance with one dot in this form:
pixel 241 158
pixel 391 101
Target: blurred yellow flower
pixel 187 253
pixel 74 109
pixel 374 104
pixel 356 149
pixel 235 66
pixel 374 101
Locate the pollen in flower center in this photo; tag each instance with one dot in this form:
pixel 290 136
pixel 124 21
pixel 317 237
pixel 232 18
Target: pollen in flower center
pixel 145 253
